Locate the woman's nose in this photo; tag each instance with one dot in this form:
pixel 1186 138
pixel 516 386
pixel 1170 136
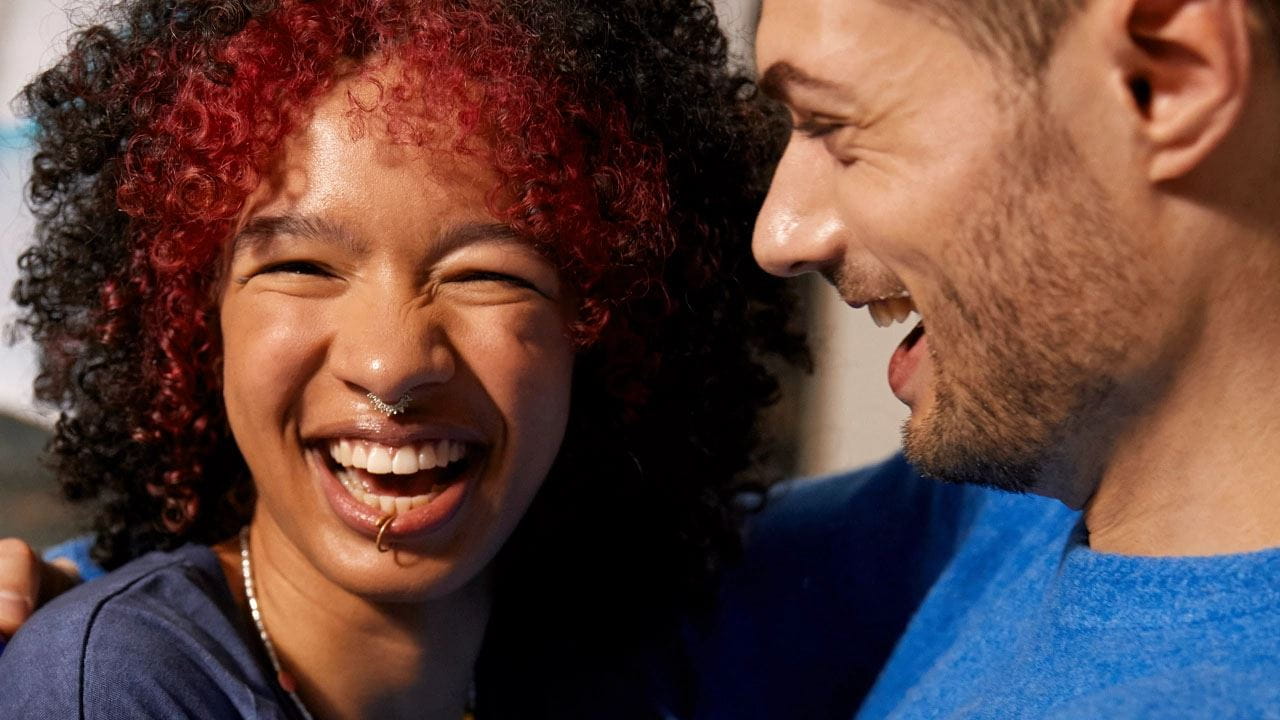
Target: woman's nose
pixel 392 352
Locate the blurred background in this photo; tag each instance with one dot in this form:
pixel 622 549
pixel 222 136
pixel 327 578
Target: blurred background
pixel 840 417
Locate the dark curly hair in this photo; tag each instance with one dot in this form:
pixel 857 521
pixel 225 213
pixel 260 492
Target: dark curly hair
pixel 630 153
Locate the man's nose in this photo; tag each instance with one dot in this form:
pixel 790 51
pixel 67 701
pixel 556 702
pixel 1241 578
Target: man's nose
pixel 799 229
pixel 390 350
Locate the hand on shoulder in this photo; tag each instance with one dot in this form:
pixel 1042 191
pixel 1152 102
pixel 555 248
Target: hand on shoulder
pixel 27 582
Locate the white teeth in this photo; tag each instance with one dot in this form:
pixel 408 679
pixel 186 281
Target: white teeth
pixel 891 310
pixel 381 459
pixel 385 503
pixel 880 314
pixel 404 462
pixel 419 500
pixel 359 456
pixel 426 457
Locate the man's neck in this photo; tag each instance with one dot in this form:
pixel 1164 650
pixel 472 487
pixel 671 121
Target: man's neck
pixel 1197 470
pixel 353 658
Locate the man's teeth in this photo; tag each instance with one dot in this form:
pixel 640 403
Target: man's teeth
pixel 891 310
pixel 377 459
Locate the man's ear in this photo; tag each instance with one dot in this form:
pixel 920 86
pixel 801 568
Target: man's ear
pixel 1187 63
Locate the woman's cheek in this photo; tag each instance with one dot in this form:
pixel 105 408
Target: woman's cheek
pixel 523 357
pixel 272 347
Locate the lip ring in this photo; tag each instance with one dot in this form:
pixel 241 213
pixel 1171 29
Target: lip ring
pixel 383 524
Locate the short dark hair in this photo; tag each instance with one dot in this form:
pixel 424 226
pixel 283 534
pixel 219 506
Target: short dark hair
pixel 1024 32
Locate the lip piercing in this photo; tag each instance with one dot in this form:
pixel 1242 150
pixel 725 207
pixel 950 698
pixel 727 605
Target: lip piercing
pixel 386 408
pixel 383 524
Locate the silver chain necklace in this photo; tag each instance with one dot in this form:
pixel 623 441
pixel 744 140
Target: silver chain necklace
pixel 284 679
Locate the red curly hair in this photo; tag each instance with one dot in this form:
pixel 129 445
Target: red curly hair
pixel 626 149
pixel 187 171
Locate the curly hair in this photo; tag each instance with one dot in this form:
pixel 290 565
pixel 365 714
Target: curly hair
pixel 629 152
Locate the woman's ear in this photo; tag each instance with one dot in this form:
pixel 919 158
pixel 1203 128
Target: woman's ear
pixel 1187 64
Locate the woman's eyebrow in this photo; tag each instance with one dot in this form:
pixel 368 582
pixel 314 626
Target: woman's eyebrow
pixel 263 230
pixel 258 234
pixel 472 233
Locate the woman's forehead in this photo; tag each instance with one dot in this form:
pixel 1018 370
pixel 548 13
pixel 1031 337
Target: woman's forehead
pixel 344 159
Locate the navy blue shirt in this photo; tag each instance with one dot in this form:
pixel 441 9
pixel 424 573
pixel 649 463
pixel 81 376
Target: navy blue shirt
pixel 161 637
pixel 835 567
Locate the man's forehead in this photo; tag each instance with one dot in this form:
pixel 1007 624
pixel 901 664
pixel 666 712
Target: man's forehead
pixel 832 46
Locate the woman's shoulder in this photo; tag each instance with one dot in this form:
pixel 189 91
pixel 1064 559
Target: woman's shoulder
pixel 159 637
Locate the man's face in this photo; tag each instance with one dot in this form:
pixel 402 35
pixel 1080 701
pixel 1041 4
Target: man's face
pixel 924 175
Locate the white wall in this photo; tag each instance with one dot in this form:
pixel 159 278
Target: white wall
pixel 30 35
pixel 848 416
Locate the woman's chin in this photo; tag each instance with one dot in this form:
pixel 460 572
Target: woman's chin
pixel 428 552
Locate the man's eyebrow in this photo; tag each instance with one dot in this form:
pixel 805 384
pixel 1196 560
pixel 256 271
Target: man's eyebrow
pixel 262 230
pixel 778 81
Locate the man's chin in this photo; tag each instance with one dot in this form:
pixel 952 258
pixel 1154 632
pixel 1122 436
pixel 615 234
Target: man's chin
pixel 959 457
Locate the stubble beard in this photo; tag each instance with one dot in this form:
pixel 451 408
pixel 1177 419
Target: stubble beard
pixel 1026 345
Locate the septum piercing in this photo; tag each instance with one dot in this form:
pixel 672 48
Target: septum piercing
pixel 387 409
pixel 383 524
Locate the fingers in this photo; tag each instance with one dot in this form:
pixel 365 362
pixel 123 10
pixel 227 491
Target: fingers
pixel 20 576
pixel 57 576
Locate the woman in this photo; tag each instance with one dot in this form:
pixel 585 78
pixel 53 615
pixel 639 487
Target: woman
pixel 419 338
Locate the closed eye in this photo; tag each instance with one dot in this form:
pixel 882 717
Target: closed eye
pixel 491 276
pixel 815 129
pixel 294 267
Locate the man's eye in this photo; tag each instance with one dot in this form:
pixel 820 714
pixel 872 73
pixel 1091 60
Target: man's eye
pixel 813 129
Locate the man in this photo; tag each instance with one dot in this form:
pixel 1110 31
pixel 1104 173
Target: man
pixel 1077 196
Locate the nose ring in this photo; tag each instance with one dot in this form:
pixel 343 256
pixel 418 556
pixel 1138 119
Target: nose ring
pixel 386 408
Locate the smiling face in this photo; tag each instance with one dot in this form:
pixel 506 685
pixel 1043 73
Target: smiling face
pixel 363 266
pixel 922 176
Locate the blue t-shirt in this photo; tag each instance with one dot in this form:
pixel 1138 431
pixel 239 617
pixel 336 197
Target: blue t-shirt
pixel 161 637
pixel 1016 617
pixel 956 601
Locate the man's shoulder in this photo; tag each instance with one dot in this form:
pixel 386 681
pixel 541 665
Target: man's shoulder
pixel 833 569
pixel 112 643
pixel 849 505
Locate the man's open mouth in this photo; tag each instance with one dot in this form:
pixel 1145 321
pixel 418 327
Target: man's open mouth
pixel 400 478
pixel 889 310
pixel 892 309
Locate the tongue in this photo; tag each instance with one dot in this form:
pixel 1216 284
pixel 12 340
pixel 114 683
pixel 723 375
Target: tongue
pixel 905 359
pixel 419 483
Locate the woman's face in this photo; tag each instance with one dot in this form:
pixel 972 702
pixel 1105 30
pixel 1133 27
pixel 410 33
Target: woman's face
pixel 362 266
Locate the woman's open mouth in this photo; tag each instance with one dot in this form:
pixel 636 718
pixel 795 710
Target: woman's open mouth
pixel 398 479
pixel 401 490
